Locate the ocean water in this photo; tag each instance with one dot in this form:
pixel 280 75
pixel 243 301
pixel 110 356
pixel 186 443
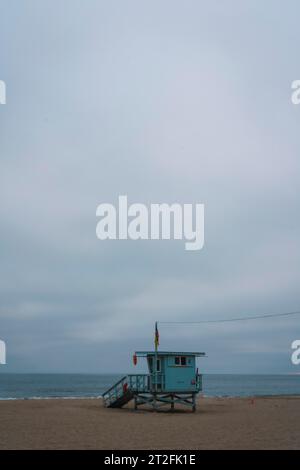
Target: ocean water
pixel 22 386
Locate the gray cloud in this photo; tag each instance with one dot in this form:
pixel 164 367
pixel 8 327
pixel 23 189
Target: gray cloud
pixel 163 102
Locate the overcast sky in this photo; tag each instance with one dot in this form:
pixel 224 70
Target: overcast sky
pixel 164 101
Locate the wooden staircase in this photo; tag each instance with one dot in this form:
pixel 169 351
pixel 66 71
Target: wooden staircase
pixel 125 389
pixel 121 401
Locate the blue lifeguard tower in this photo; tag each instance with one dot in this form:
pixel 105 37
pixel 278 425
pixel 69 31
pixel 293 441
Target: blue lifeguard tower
pixel 173 378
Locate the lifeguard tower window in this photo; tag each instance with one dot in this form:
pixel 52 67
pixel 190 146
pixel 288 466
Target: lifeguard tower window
pixel 180 361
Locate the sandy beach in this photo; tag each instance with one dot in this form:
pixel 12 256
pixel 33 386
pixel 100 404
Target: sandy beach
pixel 219 423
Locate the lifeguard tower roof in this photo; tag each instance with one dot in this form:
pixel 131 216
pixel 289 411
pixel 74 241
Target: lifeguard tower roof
pixel 169 353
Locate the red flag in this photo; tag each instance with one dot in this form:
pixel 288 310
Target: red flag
pixel 135 359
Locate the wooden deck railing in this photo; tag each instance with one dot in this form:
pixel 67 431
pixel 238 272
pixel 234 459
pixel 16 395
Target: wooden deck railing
pixel 140 383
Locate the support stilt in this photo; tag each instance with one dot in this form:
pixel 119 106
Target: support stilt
pixel 154 402
pixel 172 402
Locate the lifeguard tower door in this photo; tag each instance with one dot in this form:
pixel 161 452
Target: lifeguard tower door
pixel 156 377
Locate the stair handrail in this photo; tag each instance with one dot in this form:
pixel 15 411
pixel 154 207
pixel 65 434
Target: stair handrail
pixel 115 385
